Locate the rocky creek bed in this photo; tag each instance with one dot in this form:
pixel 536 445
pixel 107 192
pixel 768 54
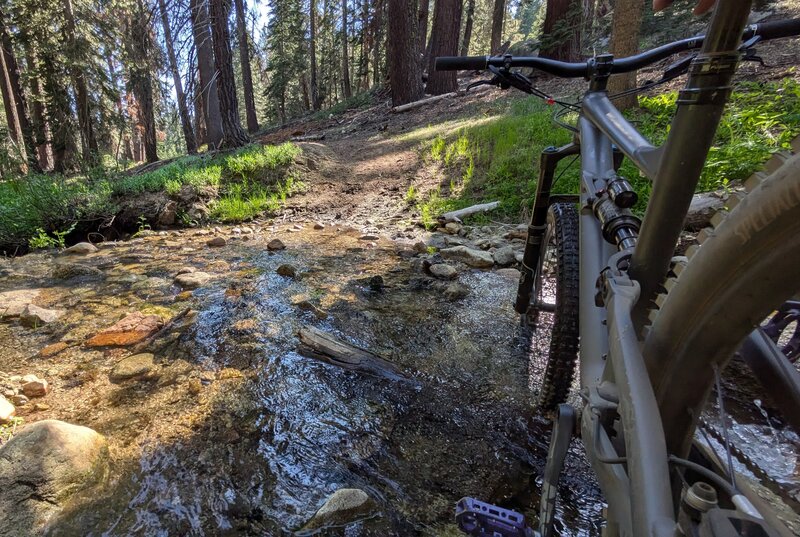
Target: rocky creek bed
pixel 180 350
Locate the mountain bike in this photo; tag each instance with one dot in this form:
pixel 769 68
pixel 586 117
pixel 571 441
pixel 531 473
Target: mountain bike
pixel 653 330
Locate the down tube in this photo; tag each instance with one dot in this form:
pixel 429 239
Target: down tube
pixel 597 160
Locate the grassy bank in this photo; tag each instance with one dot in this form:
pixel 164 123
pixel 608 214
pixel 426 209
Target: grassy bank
pixel 497 158
pixel 237 186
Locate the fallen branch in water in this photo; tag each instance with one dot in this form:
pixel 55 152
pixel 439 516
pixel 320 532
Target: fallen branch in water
pixel 320 345
pixel 160 332
pixel 456 216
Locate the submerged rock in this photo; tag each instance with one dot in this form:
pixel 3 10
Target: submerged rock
pixel 12 303
pixel 275 245
pixel 134 366
pixel 469 256
pixel 505 256
pixel 343 507
pixel 67 271
pixel 443 271
pixel 193 280
pixel 287 270
pixel 33 316
pixel 217 242
pixel 41 468
pixel 133 329
pixel 35 388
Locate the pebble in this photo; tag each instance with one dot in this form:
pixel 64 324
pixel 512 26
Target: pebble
pixel 216 242
pixel 41 406
pixel 82 248
pixel 368 238
pixel 275 244
pixel 19 400
pixel 192 280
pixel 134 366
pixel 35 388
pixel 318 226
pixel 52 350
pixel 287 270
pixel 443 271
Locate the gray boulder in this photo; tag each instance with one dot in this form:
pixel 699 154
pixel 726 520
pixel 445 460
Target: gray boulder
pixel 41 468
pixel 343 507
pixel 469 256
pixel 82 248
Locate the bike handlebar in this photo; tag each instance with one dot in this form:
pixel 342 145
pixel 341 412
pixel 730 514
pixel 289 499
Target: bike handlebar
pixel 766 30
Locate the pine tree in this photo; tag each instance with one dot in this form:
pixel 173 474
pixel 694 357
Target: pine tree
pixel 287 53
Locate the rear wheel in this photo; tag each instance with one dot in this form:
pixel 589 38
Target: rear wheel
pixel 554 315
pixel 746 267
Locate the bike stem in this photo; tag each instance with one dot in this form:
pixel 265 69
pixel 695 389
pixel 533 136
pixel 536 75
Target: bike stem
pixel 700 107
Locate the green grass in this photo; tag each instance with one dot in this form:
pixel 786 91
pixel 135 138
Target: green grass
pixel 36 210
pixel 497 158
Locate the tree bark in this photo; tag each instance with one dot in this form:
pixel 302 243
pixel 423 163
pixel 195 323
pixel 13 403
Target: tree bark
pixel 468 28
pixel 199 115
pixel 208 81
pixel 377 24
pixel 346 89
pixel 444 42
pixel 141 81
pixel 498 13
pixel 233 135
pixel 41 127
pixel 8 104
pixel 403 54
pixel 125 138
pixel 183 110
pixel 422 17
pixel 561 32
pixel 247 75
pixel 312 51
pixel 625 24
pixel 89 146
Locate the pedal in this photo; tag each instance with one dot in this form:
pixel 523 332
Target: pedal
pixel 481 519
pixel 563 427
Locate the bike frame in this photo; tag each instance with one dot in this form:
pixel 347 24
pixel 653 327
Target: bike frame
pixel 618 284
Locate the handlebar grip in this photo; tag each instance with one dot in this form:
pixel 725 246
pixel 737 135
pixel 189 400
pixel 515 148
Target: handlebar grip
pixel 778 29
pixel 461 63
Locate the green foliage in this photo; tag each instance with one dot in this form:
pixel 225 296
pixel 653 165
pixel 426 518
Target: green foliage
pixel 286 50
pixel 244 201
pixel 43 240
pixel 498 159
pixel 360 100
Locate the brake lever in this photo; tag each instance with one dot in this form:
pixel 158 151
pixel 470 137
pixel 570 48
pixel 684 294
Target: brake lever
pixel 492 82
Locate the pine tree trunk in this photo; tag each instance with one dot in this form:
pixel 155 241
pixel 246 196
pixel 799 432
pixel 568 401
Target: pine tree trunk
pixel 377 24
pixel 41 127
pixel 8 103
pixel 498 13
pixel 233 135
pixel 312 51
pixel 59 117
pixel 89 146
pixel 141 81
pixel 403 54
pixel 346 89
pixel 422 17
pixel 183 110
pixel 208 81
pixel 199 115
pixel 247 75
pixel 468 28
pixel 561 32
pixel 444 42
pixel 625 24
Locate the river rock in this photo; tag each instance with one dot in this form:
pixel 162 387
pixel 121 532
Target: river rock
pixel 455 291
pixel 133 329
pixel 67 271
pixel 217 242
pixel 185 270
pixel 82 248
pixel 343 507
pixel 34 316
pixel 470 256
pixel 134 366
pixel 20 400
pixel 52 350
pixel 505 256
pixel 287 270
pixel 35 388
pixel 420 247
pixel 443 271
pixel 452 228
pixel 168 214
pixel 275 245
pixel 41 467
pixel 13 302
pixel 7 410
pixel 192 280
pixel 319 226
pixel 510 273
pixel 702 208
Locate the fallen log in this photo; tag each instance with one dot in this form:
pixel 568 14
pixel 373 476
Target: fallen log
pixel 308 138
pixel 422 102
pixel 456 216
pixel 320 345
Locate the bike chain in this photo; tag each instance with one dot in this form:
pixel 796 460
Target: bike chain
pixel 788 495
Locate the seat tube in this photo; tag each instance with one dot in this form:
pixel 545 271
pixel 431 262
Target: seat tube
pixel 597 161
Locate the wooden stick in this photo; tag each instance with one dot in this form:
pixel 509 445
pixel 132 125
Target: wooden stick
pixel 160 332
pixel 307 138
pixel 422 102
pixel 320 345
pixel 456 216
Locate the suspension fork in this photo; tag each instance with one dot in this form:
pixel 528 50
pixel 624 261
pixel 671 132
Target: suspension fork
pixel 548 162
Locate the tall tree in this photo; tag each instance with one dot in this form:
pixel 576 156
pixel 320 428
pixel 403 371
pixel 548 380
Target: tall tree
pixel 78 49
pixel 41 127
pixel 626 21
pixel 470 14
pixel 346 89
pixel 233 135
pixel 208 80
pixel 140 48
pixel 498 14
pixel 444 42
pixel 8 103
pixel 312 51
pixel 405 73
pixel 183 109
pixel 561 32
pixel 244 59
